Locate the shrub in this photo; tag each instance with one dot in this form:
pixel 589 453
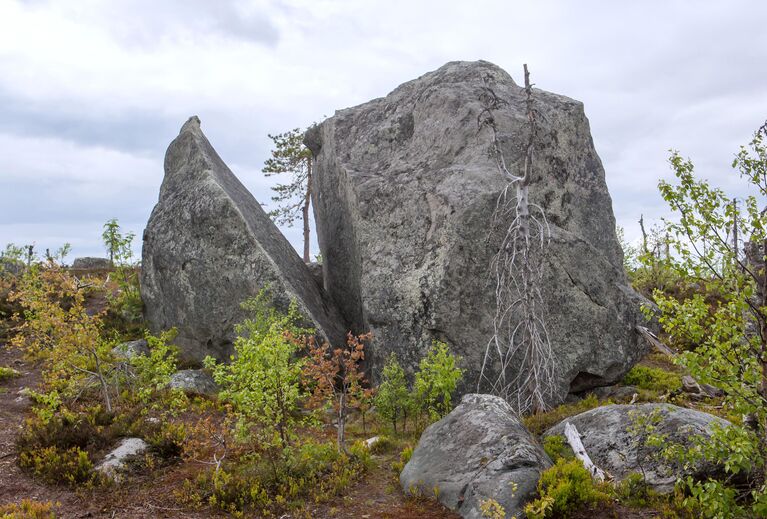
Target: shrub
pixel 168 440
pixel 436 381
pixel 393 397
pixel 336 379
pixel 556 447
pixel 7 373
pixel 653 379
pixel 263 381
pixel 57 466
pixel 311 472
pixel 28 509
pixel 563 489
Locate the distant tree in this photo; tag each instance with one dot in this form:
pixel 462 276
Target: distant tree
pixel 291 156
pixel 118 245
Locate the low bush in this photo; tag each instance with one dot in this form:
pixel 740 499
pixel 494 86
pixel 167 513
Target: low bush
pixel 28 509
pixel 56 466
pixel 556 447
pixel 7 373
pixel 311 473
pixel 563 489
pixel 653 379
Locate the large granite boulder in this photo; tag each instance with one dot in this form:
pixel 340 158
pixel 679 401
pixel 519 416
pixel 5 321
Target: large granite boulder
pixel 615 437
pixel 404 193
pixel 209 246
pixel 479 451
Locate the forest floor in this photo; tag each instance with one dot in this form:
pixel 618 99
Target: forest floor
pixel 151 494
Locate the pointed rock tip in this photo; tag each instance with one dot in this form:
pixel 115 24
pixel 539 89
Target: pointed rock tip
pixel 191 125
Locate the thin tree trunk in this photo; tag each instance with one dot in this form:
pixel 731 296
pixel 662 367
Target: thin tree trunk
pixel 341 423
pixel 307 203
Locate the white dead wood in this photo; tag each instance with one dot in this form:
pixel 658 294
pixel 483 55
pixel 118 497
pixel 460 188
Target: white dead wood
pixel 656 343
pixel 574 439
pixel 519 363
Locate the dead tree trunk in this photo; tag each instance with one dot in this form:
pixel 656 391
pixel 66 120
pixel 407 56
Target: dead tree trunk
pixel 518 364
pixel 305 209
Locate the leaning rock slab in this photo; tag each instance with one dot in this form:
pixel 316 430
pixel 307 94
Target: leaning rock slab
pixel 478 451
pixel 405 191
pixel 115 462
pixel 209 246
pixel 131 349
pixel 607 436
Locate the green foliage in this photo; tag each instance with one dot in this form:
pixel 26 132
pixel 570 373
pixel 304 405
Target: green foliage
pixel 28 509
pixel 118 245
pixel 153 372
pixel 393 397
pixel 437 378
pixel 492 509
pixel 722 325
pixel 7 373
pixel 263 379
pixel 540 422
pixel 652 379
pixel 289 156
pixel 309 473
pixel 556 447
pixel 56 466
pixel 168 440
pixel 563 489
pixel 404 457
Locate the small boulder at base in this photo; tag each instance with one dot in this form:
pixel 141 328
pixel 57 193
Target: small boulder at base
pixel 477 452
pixel 194 382
pixel 114 463
pixel 90 263
pixel 131 349
pixel 615 439
pixel 208 247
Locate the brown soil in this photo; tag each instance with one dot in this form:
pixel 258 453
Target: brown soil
pixel 150 495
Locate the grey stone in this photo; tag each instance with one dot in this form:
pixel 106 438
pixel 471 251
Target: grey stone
pixel 316 271
pixel 208 247
pixel 115 462
pixel 194 382
pixel 91 263
pixel 131 349
pixel 616 393
pixel 476 452
pixel 607 436
pixel 404 193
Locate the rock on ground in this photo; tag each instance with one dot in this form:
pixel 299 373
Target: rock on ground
pixel 405 190
pixel 91 263
pixel 194 382
pixel 208 247
pixel 131 349
pixel 115 461
pixel 608 438
pixel 476 452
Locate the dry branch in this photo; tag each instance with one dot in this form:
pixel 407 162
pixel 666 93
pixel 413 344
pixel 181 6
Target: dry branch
pixel 574 439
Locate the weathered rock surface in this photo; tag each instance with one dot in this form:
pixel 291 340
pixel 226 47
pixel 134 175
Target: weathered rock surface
pixel 209 246
pixel 607 436
pixel 115 462
pixel 131 349
pixel 92 263
pixel 194 382
pixel 476 452
pixel 405 193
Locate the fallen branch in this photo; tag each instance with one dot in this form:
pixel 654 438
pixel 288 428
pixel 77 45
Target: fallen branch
pixel 656 343
pixel 574 439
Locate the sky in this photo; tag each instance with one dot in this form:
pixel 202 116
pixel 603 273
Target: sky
pixel 93 91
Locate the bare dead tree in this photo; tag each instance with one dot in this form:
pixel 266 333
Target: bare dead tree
pixel 518 363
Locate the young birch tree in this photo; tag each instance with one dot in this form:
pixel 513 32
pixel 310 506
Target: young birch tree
pixel 518 362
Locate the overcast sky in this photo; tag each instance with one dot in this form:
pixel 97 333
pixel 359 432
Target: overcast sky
pixel 93 91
